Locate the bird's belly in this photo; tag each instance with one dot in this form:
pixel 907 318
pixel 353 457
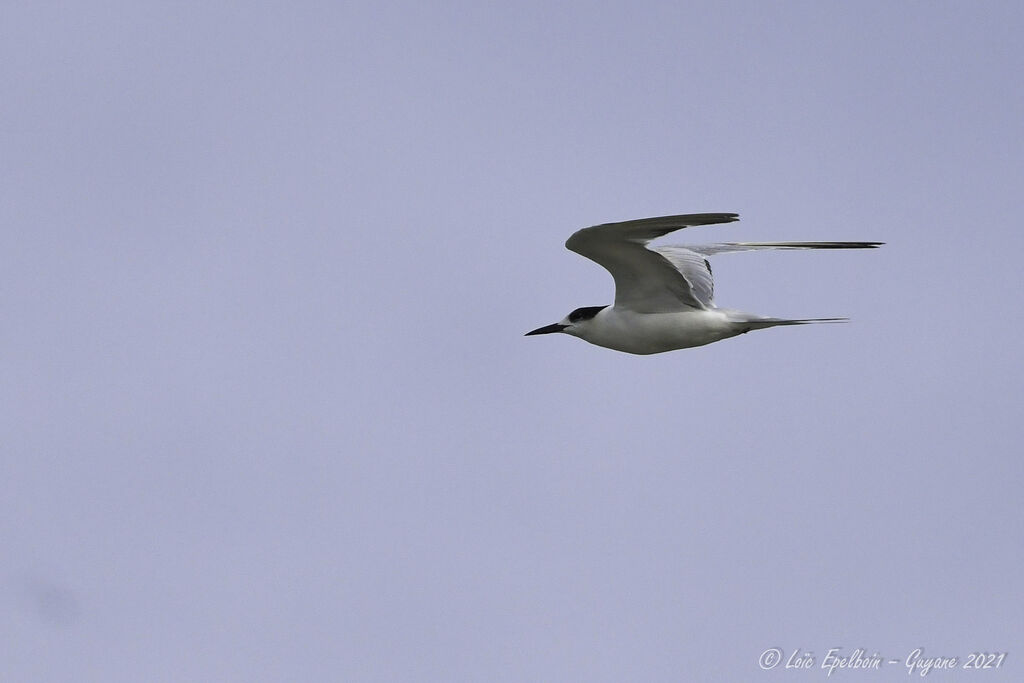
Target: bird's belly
pixel 646 333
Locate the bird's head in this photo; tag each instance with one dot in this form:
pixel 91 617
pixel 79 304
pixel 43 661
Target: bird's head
pixel 574 323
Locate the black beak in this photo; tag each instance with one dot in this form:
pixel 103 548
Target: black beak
pixel 547 329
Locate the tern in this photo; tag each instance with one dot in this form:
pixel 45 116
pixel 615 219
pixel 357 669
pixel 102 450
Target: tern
pixel 664 296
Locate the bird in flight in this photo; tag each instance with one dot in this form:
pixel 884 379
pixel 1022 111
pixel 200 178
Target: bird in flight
pixel 664 296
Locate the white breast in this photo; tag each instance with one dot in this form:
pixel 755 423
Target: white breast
pixel 645 333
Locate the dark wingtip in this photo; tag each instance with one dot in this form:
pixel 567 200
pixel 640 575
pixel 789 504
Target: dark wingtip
pixel 709 218
pixel 827 245
pixel 852 245
pixel 857 245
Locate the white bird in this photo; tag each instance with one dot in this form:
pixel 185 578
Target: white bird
pixel 664 295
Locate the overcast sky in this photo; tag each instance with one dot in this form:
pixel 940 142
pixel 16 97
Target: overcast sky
pixel 268 413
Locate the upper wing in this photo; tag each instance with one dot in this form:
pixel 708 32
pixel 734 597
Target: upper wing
pixel 647 281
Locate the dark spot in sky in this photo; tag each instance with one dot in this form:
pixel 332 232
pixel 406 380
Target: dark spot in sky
pixel 55 605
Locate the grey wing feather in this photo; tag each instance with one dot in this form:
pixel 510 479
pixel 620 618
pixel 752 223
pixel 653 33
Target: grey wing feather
pixel 646 280
pixel 695 268
pixel 726 247
pixel 646 229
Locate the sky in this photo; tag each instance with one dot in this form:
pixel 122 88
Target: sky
pixel 268 413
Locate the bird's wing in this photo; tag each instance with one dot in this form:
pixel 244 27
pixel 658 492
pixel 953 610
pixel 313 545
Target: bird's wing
pixel 725 247
pixel 650 281
pixel 695 269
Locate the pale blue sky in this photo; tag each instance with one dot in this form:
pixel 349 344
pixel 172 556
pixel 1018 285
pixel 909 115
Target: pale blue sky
pixel 268 414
